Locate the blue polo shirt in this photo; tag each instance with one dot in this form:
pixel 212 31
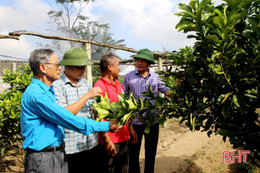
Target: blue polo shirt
pixel 42 119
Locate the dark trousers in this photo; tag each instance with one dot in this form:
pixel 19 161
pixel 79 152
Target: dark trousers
pixel 84 161
pixel 117 164
pixel 151 141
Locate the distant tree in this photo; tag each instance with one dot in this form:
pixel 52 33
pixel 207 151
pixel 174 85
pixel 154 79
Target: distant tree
pixel 70 20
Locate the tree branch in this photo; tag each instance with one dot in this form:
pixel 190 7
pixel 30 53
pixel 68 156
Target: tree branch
pixel 23 32
pixel 16 34
pixel 9 36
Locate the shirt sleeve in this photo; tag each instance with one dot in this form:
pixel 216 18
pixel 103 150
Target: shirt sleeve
pixel 56 114
pixel 125 85
pixel 161 86
pixel 102 87
pixel 59 94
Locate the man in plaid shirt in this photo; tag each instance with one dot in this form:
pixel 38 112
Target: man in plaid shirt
pixel 73 93
pixel 136 82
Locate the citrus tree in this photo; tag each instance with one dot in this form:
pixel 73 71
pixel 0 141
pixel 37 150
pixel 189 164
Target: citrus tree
pixel 10 106
pixel 216 85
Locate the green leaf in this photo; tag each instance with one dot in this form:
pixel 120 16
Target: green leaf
pixel 235 18
pixel 251 96
pixel 226 108
pixel 254 21
pixel 227 133
pixel 133 99
pixel 185 14
pixel 226 97
pixel 140 103
pixel 131 105
pixel 122 112
pixel 238 100
pixel 216 68
pixel 102 113
pixel 219 21
pixel 162 121
pixel 104 105
pixel 127 117
pixel 185 7
pixel 147 130
pixel 116 106
pixel 212 37
pixel 122 97
pixel 248 33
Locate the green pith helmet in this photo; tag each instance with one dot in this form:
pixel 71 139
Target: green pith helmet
pixel 145 54
pixel 75 57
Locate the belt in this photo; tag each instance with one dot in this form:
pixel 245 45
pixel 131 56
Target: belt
pixel 49 149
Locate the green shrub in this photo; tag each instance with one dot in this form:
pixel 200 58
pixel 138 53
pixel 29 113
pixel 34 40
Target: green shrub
pixel 10 106
pixel 216 86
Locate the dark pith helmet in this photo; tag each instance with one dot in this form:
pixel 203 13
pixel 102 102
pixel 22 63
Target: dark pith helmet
pixel 145 54
pixel 75 57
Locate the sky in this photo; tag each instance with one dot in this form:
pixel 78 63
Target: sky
pixel 141 23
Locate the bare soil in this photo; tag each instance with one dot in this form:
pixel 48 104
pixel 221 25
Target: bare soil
pixel 179 151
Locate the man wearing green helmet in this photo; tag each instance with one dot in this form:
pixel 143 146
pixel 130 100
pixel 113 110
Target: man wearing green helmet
pixel 136 82
pixel 74 93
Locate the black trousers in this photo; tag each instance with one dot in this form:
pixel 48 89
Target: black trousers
pixel 84 161
pixel 117 164
pixel 151 141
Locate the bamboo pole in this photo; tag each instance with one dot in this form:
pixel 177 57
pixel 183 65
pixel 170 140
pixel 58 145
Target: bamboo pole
pixel 16 34
pixel 9 36
pixel 23 32
pixel 159 64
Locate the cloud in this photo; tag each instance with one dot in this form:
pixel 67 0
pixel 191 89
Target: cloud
pixel 149 21
pixel 25 14
pixel 22 15
pixel 19 49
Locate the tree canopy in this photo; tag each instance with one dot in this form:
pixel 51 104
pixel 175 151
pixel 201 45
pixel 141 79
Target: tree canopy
pixel 70 21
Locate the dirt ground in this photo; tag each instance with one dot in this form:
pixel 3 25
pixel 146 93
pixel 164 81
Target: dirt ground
pixel 179 151
pixel 182 151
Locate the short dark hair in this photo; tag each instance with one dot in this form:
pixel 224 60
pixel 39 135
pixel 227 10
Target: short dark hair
pixel 39 56
pixel 107 60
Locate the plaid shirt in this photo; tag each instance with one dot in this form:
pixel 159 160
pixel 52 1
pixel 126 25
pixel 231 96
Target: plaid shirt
pixel 66 94
pixel 134 82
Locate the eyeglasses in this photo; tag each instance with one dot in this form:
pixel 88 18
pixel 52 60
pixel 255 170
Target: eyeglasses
pixel 56 65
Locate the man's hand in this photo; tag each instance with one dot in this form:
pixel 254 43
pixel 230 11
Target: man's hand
pixel 114 127
pixel 110 149
pixel 109 145
pixel 133 135
pixel 96 91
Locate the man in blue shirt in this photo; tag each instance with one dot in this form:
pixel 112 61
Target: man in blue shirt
pixel 42 119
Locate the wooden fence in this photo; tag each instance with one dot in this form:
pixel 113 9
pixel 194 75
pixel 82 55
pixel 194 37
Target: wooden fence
pixel 86 45
pixel 11 65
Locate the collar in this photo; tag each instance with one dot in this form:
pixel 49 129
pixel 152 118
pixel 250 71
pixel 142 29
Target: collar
pixel 108 82
pixel 67 80
pixel 138 73
pixel 42 85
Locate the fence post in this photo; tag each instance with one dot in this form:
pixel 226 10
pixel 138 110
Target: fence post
pixel 87 48
pixel 160 68
pixel 13 66
pixel 159 62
